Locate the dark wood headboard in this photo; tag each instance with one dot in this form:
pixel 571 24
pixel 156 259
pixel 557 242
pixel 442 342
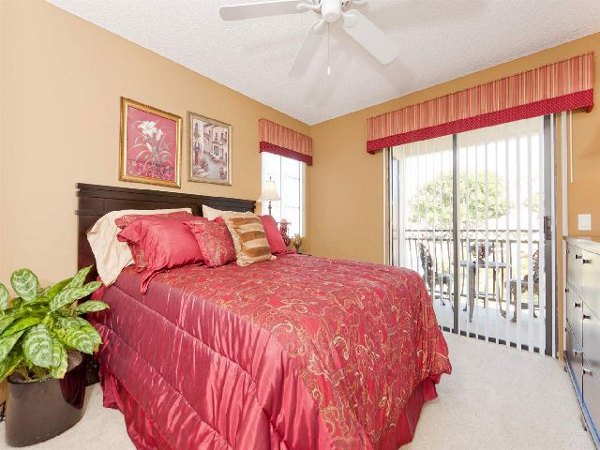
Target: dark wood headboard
pixel 93 201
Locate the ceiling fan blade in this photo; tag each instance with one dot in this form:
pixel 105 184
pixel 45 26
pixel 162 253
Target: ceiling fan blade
pixel 308 49
pixel 264 9
pixel 370 37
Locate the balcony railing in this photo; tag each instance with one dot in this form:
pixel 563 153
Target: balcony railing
pixel 510 250
pixel 495 300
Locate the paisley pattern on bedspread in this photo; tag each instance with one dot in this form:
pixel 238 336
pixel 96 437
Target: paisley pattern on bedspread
pixel 361 337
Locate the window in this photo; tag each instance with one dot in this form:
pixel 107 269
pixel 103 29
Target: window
pixel 288 175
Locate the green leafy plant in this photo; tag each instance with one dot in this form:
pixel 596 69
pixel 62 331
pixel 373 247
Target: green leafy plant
pixel 40 327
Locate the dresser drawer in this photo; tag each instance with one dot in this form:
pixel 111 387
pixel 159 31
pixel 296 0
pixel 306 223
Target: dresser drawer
pixel 591 338
pixel 590 280
pixel 573 354
pixel 575 314
pixel 574 268
pixel 591 389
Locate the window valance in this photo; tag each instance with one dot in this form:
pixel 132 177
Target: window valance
pixel 562 86
pixel 284 141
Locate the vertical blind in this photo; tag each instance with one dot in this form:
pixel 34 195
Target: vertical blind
pixel 507 231
pixel 485 268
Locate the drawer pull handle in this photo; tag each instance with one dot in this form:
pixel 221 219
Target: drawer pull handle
pixel 587 371
pixel 578 256
pixel 577 352
pixel 577 305
pixel 586 261
pixel 586 316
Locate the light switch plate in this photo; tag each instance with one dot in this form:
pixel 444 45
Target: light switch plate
pixel 584 222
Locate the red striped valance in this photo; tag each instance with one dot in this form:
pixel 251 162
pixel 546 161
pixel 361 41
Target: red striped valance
pixel 283 141
pixel 562 86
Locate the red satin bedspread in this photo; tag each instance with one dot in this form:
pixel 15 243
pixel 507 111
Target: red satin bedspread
pixel 295 353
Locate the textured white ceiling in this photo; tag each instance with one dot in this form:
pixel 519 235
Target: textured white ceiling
pixel 438 40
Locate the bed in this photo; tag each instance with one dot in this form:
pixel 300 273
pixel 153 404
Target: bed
pixel 295 353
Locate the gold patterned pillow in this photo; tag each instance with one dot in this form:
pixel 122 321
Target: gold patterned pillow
pixel 249 238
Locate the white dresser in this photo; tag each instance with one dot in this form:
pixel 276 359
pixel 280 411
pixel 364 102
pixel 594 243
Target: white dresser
pixel 582 331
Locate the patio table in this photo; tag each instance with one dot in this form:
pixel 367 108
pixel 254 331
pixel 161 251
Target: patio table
pixel 472 266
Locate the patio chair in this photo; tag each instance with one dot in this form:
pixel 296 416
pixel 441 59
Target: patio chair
pixel 434 278
pixel 514 282
pixel 482 250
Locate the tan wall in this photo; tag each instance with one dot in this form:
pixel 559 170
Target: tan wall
pixel 3 212
pixel 346 205
pixel 62 79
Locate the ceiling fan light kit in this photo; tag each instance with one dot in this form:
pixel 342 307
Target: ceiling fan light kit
pixel 354 23
pixel 331 10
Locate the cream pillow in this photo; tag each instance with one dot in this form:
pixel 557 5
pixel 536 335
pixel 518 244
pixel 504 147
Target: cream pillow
pixel 111 255
pixel 212 213
pixel 249 238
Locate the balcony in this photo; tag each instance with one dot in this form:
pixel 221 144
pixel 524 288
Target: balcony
pixel 494 266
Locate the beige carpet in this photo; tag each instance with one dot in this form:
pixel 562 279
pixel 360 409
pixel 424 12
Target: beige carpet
pixel 501 398
pixel 496 398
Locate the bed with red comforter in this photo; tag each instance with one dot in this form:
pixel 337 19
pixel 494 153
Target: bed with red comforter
pixel 294 353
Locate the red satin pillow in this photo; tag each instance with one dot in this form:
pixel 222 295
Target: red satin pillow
pixel 273 235
pixel 137 252
pixel 166 244
pixel 214 241
pixel 139 260
pixel 128 219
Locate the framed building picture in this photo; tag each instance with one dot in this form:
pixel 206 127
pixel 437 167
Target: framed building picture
pixel 210 150
pixel 150 145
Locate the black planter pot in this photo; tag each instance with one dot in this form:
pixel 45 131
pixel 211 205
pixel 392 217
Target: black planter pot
pixel 40 410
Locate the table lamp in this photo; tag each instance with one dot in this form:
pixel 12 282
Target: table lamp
pixel 269 193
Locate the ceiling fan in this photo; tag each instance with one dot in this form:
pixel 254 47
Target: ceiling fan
pixel 354 23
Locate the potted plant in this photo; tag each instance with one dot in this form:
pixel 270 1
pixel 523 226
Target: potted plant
pixel 42 337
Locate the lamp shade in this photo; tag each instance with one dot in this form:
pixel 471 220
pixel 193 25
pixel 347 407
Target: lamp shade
pixel 269 192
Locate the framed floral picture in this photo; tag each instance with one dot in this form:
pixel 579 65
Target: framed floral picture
pixel 210 150
pixel 150 145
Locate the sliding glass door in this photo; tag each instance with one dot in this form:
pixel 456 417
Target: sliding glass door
pixel 469 212
pixel 421 204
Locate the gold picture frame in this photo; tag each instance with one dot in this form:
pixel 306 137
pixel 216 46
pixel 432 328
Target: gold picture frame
pixel 209 151
pixel 150 145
